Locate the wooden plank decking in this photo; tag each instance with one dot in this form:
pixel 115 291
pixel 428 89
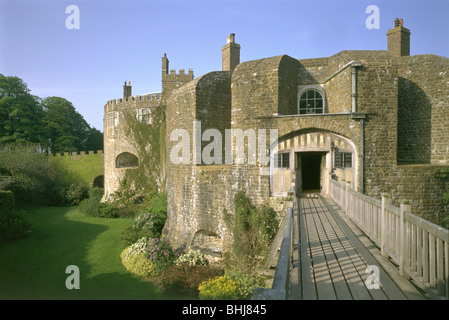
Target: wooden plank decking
pixel 331 256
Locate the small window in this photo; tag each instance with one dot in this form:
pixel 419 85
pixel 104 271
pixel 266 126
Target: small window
pixel 343 160
pixel 143 115
pixel 112 119
pixel 282 160
pixel 311 102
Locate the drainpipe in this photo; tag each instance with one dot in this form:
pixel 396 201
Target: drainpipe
pixel 362 155
pixel 354 66
pixel 361 117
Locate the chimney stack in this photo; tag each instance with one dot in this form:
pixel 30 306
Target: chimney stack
pixel 399 39
pixel 231 54
pixel 127 90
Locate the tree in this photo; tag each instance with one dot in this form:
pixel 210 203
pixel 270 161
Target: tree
pixel 94 140
pixel 20 112
pixel 66 129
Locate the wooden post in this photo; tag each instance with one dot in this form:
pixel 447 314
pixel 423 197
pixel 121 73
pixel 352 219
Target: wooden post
pixel 405 206
pixel 440 270
pixel 346 196
pixel 386 199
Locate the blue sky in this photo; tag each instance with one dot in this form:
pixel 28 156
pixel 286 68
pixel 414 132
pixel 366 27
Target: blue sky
pixel 124 40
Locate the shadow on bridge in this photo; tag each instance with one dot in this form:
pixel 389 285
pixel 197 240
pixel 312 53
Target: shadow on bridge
pixel 329 258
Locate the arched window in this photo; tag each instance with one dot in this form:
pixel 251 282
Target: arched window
pixel 311 102
pixel 126 160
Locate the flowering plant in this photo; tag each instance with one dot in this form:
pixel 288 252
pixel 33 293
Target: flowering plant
pixel 159 252
pixel 220 288
pixel 135 261
pixel 192 258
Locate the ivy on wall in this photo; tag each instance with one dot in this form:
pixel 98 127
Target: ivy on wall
pixel 443 175
pixel 148 139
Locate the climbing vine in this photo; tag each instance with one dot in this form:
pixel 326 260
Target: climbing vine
pixel 253 228
pixel 148 139
pixel 443 175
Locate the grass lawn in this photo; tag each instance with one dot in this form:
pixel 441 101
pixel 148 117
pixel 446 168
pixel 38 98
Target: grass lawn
pixel 34 267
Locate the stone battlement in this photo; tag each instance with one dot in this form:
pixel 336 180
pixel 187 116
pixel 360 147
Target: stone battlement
pixel 74 153
pixel 181 72
pixel 151 97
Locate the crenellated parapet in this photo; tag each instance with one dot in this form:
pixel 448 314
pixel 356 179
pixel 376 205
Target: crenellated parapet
pixel 180 76
pixel 150 100
pixel 172 80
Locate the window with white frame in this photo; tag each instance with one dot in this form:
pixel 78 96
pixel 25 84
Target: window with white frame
pixel 143 115
pixel 112 119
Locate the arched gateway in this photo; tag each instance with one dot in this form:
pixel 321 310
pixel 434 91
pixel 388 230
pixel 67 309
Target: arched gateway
pixel 305 163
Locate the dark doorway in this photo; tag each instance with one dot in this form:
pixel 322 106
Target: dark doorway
pixel 311 171
pixel 98 182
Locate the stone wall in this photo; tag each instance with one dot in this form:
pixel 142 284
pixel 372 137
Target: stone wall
pixel 377 98
pixel 401 117
pixel 197 193
pixel 417 183
pixel 423 131
pixel 115 139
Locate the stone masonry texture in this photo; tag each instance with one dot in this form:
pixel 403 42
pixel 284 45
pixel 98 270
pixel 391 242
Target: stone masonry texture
pixel 398 134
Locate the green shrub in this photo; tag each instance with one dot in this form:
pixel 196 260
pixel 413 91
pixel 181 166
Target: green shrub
pixel 149 221
pixel 127 194
pixel 6 200
pixel 96 193
pixel 129 235
pixel 139 265
pixel 134 259
pixel 184 279
pixel 266 223
pixel 221 288
pixel 246 283
pixel 13 225
pixel 93 206
pixel 75 193
pixel 192 258
pixel 252 229
pixel 107 210
pixel 158 204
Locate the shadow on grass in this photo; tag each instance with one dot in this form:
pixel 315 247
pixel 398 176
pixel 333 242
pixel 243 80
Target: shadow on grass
pixel 34 267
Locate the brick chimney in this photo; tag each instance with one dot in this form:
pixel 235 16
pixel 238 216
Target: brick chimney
pixel 231 54
pixel 399 39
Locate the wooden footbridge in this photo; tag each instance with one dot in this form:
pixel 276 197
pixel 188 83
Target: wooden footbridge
pixel 346 246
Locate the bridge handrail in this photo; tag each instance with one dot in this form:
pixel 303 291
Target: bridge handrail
pixel 281 280
pixel 419 247
pixel 282 273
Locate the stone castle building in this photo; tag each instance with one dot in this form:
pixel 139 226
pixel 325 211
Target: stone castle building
pixel 378 120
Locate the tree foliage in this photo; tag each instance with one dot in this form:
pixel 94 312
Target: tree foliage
pixel 21 113
pixel 53 122
pixel 66 129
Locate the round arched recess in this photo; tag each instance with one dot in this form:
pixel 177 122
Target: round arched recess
pixel 305 162
pixel 98 182
pixel 126 160
pixel 207 242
